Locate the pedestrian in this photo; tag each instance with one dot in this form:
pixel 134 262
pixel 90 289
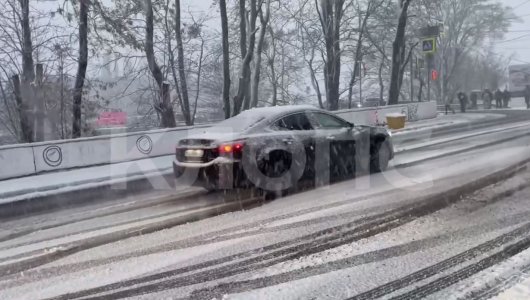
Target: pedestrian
pixel 498 98
pixel 488 98
pixel 507 96
pixel 462 97
pixel 449 106
pixel 474 99
pixel 527 96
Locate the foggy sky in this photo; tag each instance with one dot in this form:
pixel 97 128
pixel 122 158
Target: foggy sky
pixel 517 41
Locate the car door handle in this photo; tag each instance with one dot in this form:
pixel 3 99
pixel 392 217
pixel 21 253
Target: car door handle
pixel 330 137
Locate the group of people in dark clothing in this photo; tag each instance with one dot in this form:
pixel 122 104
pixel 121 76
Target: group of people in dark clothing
pixel 502 99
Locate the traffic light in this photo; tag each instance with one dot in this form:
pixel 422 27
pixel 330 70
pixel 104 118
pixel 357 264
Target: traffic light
pixel 434 75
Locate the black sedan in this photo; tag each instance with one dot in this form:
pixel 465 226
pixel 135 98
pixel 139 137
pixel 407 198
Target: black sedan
pixel 275 148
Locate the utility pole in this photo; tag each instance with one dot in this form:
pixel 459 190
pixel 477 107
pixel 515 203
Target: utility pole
pixel 442 75
pixel 429 70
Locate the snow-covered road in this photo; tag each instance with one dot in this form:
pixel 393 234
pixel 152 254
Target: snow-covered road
pixel 405 233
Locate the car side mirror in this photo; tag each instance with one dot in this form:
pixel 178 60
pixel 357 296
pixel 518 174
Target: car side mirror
pixel 351 126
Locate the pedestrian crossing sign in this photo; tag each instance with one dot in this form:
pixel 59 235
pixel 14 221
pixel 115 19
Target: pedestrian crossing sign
pixel 429 45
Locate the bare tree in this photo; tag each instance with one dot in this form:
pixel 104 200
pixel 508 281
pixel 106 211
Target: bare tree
pixel 25 96
pixel 372 5
pixel 28 71
pixel 226 59
pixel 271 60
pixel 398 53
pixel 264 20
pixel 164 104
pixel 309 35
pixel 312 72
pixel 283 49
pixel 81 67
pixel 25 125
pixel 181 68
pixel 406 59
pixel 380 77
pixel 330 14
pixel 242 98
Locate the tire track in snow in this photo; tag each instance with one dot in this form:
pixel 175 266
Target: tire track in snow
pixel 130 221
pixel 221 235
pixel 448 264
pixel 446 281
pixel 490 292
pixel 284 251
pixel 63 250
pixel 374 256
pixel 353 261
pixel 103 210
pixel 48 272
pixel 234 268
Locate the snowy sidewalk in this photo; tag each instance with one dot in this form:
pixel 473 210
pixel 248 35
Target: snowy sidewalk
pixel 91 178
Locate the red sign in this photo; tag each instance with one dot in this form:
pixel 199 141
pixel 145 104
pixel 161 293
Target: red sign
pixel 434 75
pixel 110 118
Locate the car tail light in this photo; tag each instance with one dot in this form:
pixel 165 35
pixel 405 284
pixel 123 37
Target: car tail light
pixel 235 149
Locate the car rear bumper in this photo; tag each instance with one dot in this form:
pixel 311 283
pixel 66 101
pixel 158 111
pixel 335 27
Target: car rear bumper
pixel 221 173
pixel 199 165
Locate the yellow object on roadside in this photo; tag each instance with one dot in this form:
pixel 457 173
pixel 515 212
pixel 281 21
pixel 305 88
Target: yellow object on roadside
pixel 396 121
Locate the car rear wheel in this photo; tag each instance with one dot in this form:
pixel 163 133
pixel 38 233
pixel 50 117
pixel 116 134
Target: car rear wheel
pixel 380 158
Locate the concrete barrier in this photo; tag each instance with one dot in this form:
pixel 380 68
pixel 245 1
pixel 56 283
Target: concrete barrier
pixel 30 159
pixel 104 150
pixel 16 161
pixel 425 110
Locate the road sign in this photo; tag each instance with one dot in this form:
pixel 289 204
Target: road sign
pixel 428 45
pixel 434 75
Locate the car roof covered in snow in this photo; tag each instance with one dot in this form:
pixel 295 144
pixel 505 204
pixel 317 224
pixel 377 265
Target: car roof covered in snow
pixel 273 111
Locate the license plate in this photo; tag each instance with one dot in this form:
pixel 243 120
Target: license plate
pixel 194 153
